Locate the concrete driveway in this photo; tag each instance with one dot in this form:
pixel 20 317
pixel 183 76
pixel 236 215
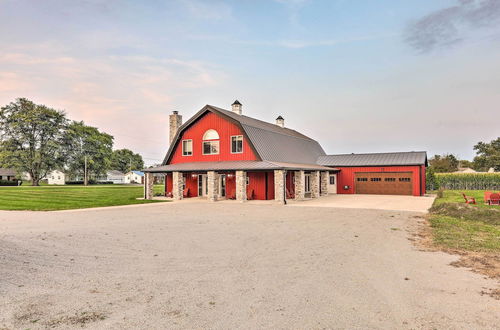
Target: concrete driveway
pixel 376 202
pixel 231 266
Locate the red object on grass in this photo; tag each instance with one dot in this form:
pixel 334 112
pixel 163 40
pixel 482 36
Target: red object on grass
pixel 469 199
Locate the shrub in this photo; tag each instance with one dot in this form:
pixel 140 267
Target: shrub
pixel 430 179
pixel 77 182
pixel 8 183
pixel 468 181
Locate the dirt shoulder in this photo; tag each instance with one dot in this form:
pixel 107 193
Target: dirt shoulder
pixel 466 231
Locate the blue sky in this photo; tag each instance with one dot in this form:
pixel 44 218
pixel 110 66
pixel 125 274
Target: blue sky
pixel 359 76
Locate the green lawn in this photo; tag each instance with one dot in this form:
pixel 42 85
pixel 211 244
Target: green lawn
pixel 455 196
pixel 457 225
pixel 49 198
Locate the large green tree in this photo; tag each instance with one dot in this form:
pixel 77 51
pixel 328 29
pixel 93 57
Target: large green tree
pixel 30 138
pixel 87 148
pixel 126 160
pixel 488 155
pixel 444 163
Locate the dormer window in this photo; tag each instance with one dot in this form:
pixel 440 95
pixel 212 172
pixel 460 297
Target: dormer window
pixel 187 147
pixel 211 142
pixel 236 144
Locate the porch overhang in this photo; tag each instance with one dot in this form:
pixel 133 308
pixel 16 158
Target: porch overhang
pixel 236 166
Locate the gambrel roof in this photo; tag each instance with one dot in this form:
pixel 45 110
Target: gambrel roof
pixel 269 142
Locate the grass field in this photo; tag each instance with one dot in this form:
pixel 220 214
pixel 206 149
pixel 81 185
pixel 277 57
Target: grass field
pixel 455 196
pixel 457 225
pixel 49 198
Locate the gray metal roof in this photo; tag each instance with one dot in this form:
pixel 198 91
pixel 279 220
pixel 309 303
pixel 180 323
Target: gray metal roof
pixel 235 165
pixel 269 141
pixel 375 159
pixel 8 171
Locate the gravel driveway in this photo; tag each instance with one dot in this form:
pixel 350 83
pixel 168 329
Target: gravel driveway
pixel 231 266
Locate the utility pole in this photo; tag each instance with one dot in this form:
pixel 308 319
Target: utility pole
pixel 85 179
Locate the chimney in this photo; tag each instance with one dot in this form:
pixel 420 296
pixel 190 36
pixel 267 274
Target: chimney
pixel 236 107
pixel 280 121
pixel 175 123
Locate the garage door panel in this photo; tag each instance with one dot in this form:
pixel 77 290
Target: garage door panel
pixel 383 183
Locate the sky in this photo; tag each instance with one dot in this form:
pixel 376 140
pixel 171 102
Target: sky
pixel 358 76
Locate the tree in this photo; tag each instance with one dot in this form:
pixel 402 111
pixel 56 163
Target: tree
pixel 124 160
pixel 30 138
pixel 488 155
pixel 444 164
pixel 86 148
pixel 466 164
pixel 431 180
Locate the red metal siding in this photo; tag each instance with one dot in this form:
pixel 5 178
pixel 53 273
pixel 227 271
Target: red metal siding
pixel 346 176
pixel 168 184
pixel 224 128
pixel 270 185
pixel 290 184
pixel 230 185
pixel 424 182
pixel 192 184
pixel 257 184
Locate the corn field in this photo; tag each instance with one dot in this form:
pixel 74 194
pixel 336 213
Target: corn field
pixel 468 181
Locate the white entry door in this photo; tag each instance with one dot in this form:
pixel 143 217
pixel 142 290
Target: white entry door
pixel 332 184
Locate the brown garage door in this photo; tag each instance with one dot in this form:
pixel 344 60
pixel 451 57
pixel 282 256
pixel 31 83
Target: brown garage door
pixel 383 183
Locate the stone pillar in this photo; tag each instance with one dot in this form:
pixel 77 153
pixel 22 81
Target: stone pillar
pixel 241 186
pixel 212 186
pixel 315 176
pixel 299 185
pixel 325 177
pixel 148 185
pixel 279 186
pixel 177 183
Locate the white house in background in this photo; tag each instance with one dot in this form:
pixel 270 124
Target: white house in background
pixel 56 177
pixel 115 176
pixel 134 177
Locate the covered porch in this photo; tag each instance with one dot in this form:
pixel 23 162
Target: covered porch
pixel 241 181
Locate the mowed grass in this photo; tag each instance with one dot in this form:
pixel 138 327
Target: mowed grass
pixel 50 198
pixel 459 226
pixel 455 196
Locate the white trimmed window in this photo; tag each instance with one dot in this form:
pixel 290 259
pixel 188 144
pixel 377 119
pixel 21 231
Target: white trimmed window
pixel 187 147
pixel 210 142
pixel 237 144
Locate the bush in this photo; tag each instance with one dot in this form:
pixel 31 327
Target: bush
pixel 468 181
pixel 8 183
pixel 430 179
pixel 90 182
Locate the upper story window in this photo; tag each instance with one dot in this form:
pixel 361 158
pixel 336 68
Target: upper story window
pixel 237 144
pixel 187 147
pixel 211 142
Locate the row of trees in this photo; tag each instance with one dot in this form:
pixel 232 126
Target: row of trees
pixel 37 139
pixel 487 156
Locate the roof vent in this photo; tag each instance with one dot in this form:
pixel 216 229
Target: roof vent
pixel 280 121
pixel 236 107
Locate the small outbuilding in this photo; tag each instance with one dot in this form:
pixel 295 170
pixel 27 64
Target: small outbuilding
pixel 115 176
pixel 8 174
pixel 134 177
pixel 56 177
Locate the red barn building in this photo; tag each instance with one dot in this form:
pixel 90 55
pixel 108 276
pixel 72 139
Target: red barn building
pixel 221 154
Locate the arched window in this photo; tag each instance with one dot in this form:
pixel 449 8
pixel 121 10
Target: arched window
pixel 211 134
pixel 211 142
